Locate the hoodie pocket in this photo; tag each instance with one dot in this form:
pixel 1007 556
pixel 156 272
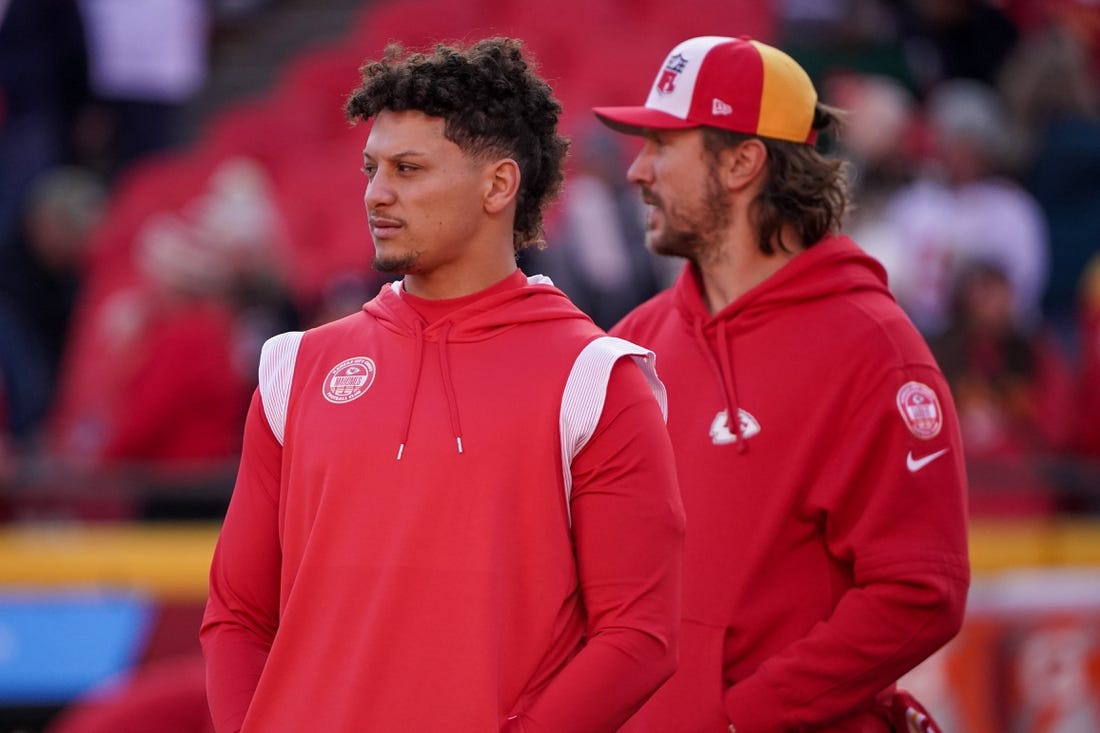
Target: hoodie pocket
pixel 702 648
pixel 692 700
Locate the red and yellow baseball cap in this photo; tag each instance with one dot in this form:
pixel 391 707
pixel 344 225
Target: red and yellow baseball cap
pixel 734 84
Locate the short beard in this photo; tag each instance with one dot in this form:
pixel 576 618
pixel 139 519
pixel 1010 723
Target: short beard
pixel 402 265
pixel 698 243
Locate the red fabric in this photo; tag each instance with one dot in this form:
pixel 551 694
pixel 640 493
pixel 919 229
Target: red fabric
pixel 1015 399
pixel 354 591
pixel 112 299
pixel 826 552
pixel 183 398
pixel 150 379
pixel 167 696
pixel 1088 394
pixel 743 62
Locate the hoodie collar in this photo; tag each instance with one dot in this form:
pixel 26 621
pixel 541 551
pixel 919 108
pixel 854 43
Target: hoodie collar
pixel 834 265
pixel 514 301
pixel 433 310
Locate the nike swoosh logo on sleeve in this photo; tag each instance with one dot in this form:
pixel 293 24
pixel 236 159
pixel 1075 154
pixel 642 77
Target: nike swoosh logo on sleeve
pixel 916 464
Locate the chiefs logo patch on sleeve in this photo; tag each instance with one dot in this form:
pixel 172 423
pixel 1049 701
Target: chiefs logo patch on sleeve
pixel 920 409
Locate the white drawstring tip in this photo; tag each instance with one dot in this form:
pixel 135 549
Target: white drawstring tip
pixel 459 441
pixel 400 451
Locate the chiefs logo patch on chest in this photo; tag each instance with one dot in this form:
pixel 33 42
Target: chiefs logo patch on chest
pixel 349 380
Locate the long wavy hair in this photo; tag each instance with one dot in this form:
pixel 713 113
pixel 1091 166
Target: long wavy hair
pixel 803 189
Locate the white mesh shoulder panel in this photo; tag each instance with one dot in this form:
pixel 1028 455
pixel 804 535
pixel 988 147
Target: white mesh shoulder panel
pixel 277 360
pixel 585 392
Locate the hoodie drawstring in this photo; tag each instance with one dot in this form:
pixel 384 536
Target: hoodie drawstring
pixel 734 404
pixel 418 338
pixel 723 371
pixel 448 385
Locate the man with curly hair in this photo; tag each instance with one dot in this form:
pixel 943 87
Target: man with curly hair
pixel 817 446
pixel 456 509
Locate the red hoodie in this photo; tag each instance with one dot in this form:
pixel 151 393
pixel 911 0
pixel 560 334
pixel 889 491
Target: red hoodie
pixel 826 551
pixel 464 525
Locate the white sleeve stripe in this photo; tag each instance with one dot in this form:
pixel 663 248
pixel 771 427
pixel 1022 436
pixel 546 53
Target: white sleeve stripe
pixel 277 359
pixel 585 391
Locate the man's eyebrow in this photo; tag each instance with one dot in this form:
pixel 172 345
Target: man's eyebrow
pixel 401 154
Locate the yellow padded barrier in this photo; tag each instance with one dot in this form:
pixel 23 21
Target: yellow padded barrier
pixel 170 561
pixel 1003 544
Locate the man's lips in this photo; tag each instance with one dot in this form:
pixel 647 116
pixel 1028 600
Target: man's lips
pixel 380 227
pixel 652 208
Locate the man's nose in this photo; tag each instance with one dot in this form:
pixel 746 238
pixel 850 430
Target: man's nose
pixel 640 171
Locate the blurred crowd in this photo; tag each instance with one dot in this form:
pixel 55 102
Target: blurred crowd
pixel 975 141
pixel 129 334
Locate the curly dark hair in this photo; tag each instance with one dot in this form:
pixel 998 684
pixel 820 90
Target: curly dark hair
pixel 493 103
pixel 804 188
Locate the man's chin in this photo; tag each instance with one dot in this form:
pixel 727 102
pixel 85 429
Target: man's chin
pixel 662 245
pixel 395 265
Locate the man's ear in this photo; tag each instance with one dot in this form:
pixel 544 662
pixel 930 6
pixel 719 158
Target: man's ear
pixel 742 165
pixel 501 184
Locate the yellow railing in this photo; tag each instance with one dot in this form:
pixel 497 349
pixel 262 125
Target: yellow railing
pixel 170 561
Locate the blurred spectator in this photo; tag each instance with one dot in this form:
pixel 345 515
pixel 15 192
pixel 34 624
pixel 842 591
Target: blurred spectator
pixel 344 294
pixel 7 451
pixel 39 279
pixel 1087 427
pixel 1053 91
pixel 23 379
pixel 857 37
pixel 243 10
pixel 878 131
pixel 166 696
pixel 880 141
pixel 963 208
pixel 43 89
pixel 147 59
pixel 181 395
pixel 955 39
pixel 162 381
pixel 595 251
pixel 239 213
pixel 1012 388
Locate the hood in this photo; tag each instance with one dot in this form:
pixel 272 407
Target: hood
pixel 510 304
pixel 533 299
pixel 834 266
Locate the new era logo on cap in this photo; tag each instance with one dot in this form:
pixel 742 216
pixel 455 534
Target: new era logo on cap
pixel 732 83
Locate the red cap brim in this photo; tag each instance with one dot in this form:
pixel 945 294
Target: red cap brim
pixel 636 120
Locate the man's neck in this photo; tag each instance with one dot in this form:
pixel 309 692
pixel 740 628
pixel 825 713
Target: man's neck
pixel 482 265
pixel 739 266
